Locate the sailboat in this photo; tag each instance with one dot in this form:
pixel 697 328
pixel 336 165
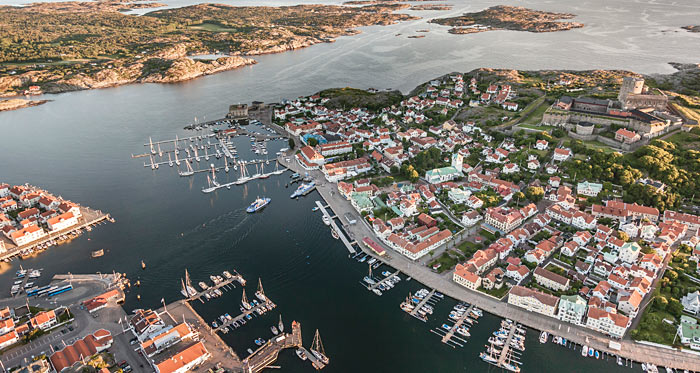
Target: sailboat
pixel 177 150
pixel 150 142
pixel 160 152
pixel 244 301
pixel 189 171
pixel 226 164
pixel 277 170
pixel 280 325
pixel 263 175
pixel 188 288
pixel 244 175
pixel 196 155
pixel 317 348
pixel 170 160
pixel 177 160
pixel 260 293
pixel 206 155
pixel 211 182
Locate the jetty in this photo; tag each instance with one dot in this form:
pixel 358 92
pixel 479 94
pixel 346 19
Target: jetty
pixel 326 215
pixel 268 352
pixel 447 338
pixel 225 284
pixel 384 280
pixel 423 302
pixel 260 308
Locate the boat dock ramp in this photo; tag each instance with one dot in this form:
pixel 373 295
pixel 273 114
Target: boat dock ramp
pixel 268 352
pixel 457 334
pixel 331 221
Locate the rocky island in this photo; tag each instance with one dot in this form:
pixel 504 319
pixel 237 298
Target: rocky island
pixel 694 28
pixel 59 47
pixel 504 17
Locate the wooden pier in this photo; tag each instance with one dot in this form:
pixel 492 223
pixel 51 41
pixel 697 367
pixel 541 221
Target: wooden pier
pixel 223 284
pixel 267 353
pixel 506 346
pixel 266 304
pixel 384 280
pixel 446 339
pixel 346 242
pixel 423 302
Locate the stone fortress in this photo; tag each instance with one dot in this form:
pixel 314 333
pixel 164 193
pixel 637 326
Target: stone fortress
pixel 643 114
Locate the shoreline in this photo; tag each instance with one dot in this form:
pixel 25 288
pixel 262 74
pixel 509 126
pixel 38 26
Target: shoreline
pixel 156 47
pixel 636 351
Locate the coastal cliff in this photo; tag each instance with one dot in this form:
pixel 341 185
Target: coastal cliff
pixel 504 17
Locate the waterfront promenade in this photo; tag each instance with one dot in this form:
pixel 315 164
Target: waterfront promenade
pixel 443 283
pixel 88 218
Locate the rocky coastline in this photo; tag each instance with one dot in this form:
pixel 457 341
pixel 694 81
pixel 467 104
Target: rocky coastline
pixel 205 28
pixel 511 18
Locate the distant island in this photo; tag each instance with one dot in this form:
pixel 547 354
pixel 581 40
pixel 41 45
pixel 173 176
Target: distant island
pixel 505 17
pixel 695 28
pixel 68 46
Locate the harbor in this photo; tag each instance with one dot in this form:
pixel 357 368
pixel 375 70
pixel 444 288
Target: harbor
pixel 461 314
pixel 210 291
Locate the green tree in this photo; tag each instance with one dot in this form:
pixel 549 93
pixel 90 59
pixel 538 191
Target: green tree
pixel 312 142
pixel 291 143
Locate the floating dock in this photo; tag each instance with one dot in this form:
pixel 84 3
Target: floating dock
pixel 266 305
pixel 267 353
pixel 346 242
pixel 384 280
pixel 237 277
pixel 447 338
pixel 420 305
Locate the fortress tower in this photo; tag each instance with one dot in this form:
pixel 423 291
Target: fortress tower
pixel 630 86
pixel 633 95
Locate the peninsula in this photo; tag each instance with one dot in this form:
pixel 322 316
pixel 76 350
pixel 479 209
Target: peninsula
pixel 59 47
pixel 503 17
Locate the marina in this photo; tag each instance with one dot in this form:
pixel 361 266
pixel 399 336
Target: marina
pixel 208 292
pixel 388 282
pixel 267 353
pixel 420 304
pixel 506 344
pixel 462 316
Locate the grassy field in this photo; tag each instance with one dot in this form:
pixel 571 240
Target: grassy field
pixel 535 127
pixel 686 140
pixel 212 27
pixel 535 116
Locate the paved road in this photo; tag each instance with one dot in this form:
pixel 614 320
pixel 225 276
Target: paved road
pixel 580 335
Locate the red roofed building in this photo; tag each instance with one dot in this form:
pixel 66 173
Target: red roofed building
pixel 100 301
pixel 627 136
pixel 608 323
pixel 27 235
pixel 44 320
pixel 185 360
pixel 63 221
pixel 94 343
pixel 8 339
pixel 466 278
